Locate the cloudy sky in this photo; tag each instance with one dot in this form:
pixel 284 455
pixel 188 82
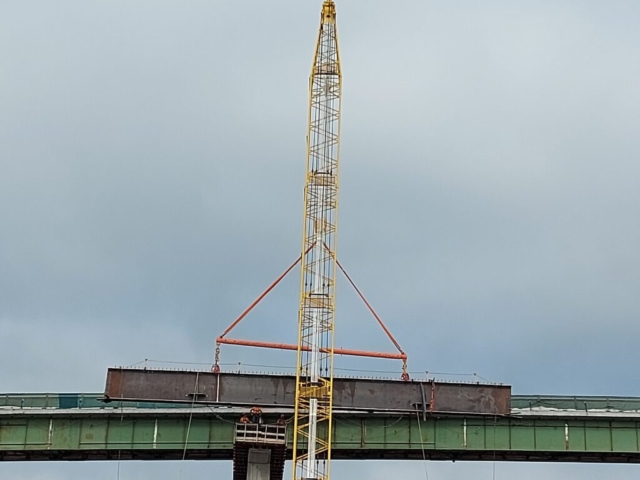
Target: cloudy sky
pixel 151 173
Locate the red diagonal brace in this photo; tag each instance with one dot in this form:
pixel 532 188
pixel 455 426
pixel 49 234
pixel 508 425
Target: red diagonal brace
pixel 262 295
pixel 373 312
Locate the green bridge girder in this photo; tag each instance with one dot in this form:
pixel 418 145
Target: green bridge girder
pixel 81 427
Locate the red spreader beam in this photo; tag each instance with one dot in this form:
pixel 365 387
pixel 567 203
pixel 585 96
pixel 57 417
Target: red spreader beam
pixel 288 346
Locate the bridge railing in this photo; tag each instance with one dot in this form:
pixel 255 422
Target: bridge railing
pixel 261 433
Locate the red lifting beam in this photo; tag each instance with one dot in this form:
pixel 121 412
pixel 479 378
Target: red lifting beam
pixel 287 346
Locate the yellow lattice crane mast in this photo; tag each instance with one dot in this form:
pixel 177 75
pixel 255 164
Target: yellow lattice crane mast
pixel 315 349
pixel 314 378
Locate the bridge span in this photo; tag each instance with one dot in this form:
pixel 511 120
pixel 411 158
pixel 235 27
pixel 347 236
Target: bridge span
pixel 538 428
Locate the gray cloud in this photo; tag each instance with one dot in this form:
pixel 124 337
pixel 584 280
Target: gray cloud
pixel 152 160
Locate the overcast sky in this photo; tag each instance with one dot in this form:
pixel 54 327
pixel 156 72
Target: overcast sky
pixel 151 174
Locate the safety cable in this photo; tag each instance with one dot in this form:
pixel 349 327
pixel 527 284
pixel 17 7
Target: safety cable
pixel 473 375
pixel 186 440
pixel 424 456
pixel 120 451
pixel 495 420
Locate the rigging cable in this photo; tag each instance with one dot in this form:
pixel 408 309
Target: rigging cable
pixel 186 440
pixel 495 420
pixel 424 456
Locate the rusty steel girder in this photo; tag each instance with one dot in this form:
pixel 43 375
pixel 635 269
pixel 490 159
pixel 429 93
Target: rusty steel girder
pixel 146 385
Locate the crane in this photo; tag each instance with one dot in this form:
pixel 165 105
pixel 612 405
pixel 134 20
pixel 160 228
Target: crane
pixel 314 373
pixel 319 264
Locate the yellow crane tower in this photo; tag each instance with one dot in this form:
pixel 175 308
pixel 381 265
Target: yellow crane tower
pixel 319 264
pixel 315 347
pixel 314 377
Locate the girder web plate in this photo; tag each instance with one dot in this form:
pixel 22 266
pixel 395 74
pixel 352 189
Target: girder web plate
pixel 268 390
